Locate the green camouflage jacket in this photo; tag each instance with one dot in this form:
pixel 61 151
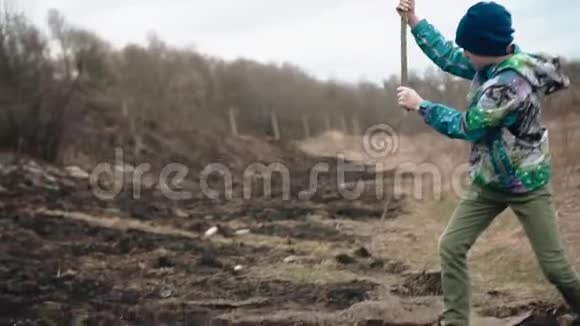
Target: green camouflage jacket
pixel 510 150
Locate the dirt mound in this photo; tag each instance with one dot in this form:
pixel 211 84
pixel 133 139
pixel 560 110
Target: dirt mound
pixel 24 177
pixel 421 284
pixel 199 149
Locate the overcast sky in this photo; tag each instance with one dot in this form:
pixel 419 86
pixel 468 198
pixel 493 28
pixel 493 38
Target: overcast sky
pixel 344 39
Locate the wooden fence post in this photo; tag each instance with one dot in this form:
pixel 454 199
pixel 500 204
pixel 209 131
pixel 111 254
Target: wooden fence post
pixel 343 124
pixel 233 123
pixel 275 127
pixel 327 123
pixel 133 129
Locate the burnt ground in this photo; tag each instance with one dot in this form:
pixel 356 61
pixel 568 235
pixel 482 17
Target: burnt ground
pixel 67 258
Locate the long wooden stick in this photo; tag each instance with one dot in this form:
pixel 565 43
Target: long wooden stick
pixel 404 63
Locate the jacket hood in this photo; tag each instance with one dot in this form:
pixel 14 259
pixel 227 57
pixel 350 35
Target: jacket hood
pixel 542 71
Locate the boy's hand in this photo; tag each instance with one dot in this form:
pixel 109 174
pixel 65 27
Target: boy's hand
pixel 408 98
pixel 406 9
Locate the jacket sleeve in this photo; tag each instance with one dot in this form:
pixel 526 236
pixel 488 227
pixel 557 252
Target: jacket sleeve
pixel 498 106
pixel 443 53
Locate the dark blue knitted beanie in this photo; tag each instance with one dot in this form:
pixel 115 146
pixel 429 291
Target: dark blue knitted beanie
pixel 486 30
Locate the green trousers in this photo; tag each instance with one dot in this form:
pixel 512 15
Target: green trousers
pixel 474 214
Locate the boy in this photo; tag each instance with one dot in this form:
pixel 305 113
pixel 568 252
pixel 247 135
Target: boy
pixel 510 160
